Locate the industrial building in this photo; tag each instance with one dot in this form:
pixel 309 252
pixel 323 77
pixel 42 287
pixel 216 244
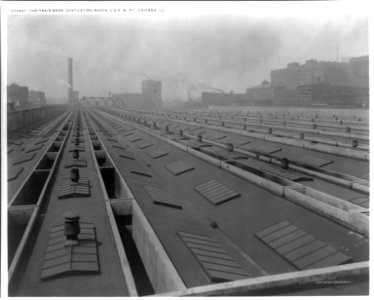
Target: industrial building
pixel 120 197
pixel 312 72
pixel 262 92
pixel 314 83
pixel 105 201
pixel 19 95
pixel 359 71
pixel 211 98
pixel 152 91
pixel 37 97
pixel 333 95
pixel 130 99
pixel 150 96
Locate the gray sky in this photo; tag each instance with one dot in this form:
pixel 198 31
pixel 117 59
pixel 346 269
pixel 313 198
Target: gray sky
pixel 185 53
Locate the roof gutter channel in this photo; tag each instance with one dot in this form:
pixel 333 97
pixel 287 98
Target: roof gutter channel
pixel 158 265
pixel 125 266
pixel 36 207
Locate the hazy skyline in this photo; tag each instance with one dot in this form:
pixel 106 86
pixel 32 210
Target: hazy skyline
pixel 186 53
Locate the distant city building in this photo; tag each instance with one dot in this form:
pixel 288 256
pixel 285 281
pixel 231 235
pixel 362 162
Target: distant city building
pixel 209 98
pixel 131 99
pixel 37 97
pixel 150 97
pixel 152 92
pixel 312 72
pixel 353 73
pixel 314 83
pixel 333 95
pixel 75 96
pixel 19 95
pixel 262 92
pixel 359 70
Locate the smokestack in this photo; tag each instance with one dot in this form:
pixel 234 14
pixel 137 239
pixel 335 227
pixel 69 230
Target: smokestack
pixel 70 79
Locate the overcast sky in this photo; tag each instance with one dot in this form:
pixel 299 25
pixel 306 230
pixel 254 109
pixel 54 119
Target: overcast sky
pixel 225 52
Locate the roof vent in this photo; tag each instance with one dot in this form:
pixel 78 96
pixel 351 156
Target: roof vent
pixel 71 229
pixel 74 175
pixel 284 163
pixel 214 225
pixel 75 154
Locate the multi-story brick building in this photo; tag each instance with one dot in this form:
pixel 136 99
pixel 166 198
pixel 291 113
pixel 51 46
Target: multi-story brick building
pixel 37 97
pixel 19 95
pixel 312 72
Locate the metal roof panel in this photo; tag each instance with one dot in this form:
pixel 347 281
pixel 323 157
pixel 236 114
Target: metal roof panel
pixel 179 167
pixel 157 153
pixel 63 260
pixel 161 195
pixel 299 248
pixel 313 160
pixel 215 192
pixel 25 158
pixel 215 260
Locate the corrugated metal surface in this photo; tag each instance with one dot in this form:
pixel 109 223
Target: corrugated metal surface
pixel 25 158
pixel 127 133
pixel 299 248
pixel 144 145
pixel 215 260
pixel 14 172
pixel 157 153
pixel 179 167
pixel 160 195
pixel 62 260
pixel 76 163
pixel 126 155
pixel 135 139
pixel 41 141
pixel 34 148
pixel 119 146
pixel 263 148
pixel 215 192
pixel 15 142
pixel 68 189
pixel 313 161
pixel 288 174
